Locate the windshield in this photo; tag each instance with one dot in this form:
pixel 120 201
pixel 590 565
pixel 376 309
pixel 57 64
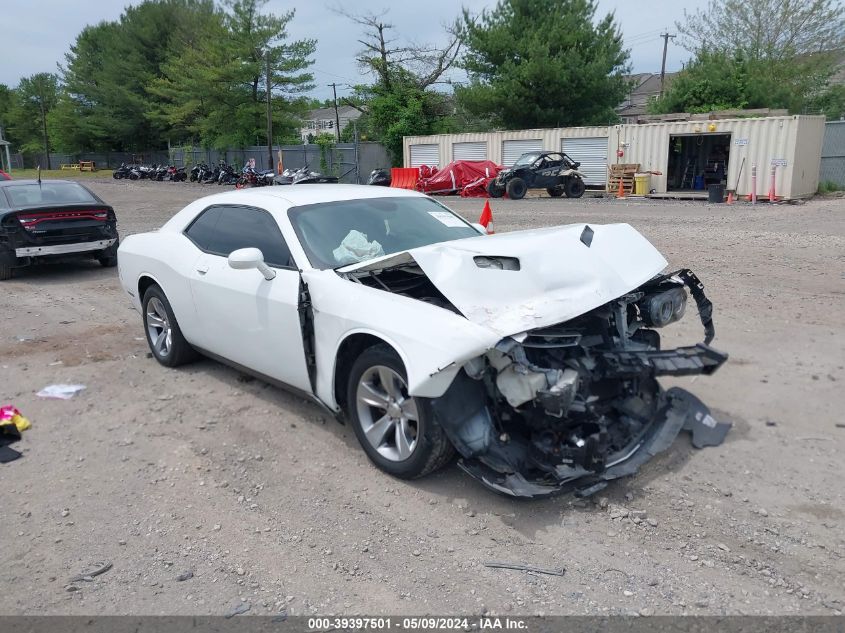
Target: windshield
pixel 527 159
pixel 335 234
pixel 47 193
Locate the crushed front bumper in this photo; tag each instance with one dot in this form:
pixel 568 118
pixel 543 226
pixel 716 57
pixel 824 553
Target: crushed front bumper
pixel 681 411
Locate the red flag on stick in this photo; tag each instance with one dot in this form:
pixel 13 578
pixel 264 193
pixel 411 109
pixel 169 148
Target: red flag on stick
pixel 486 219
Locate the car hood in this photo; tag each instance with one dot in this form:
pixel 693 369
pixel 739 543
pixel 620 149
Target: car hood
pixel 563 272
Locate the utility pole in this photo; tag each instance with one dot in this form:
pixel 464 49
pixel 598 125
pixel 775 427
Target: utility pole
pixel 666 37
pixel 336 115
pixel 269 115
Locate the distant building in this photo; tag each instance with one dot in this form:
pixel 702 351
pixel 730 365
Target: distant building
pixel 644 87
pixel 322 121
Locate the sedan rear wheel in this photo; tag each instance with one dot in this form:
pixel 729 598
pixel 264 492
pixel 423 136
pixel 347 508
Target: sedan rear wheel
pixel 397 431
pixel 163 333
pixel 7 258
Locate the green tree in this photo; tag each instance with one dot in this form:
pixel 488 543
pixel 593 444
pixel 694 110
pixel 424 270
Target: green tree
pixel 7 96
pixel 109 67
pixel 542 63
pixel 33 100
pixel 718 81
pixel 215 90
pixel 775 30
pixel 758 54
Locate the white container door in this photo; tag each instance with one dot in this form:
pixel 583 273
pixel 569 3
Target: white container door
pixel 428 154
pixel 469 151
pixel 592 154
pixel 512 150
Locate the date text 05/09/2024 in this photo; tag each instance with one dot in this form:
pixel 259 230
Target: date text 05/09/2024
pixel 422 623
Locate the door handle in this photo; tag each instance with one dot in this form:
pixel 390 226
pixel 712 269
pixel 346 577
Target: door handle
pixel 202 269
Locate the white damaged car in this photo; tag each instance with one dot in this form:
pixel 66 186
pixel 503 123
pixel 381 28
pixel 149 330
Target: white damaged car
pixel 534 355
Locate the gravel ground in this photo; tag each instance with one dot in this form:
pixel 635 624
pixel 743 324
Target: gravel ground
pixel 268 504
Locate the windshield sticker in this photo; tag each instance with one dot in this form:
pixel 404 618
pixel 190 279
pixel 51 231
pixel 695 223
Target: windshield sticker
pixel 447 218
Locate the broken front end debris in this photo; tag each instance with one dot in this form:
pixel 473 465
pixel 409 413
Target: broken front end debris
pixel 575 405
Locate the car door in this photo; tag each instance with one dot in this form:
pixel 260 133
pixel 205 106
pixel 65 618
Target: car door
pixel 243 317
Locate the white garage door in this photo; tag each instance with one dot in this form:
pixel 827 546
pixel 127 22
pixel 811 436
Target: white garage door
pixel 592 154
pixel 512 150
pixel 428 154
pixel 469 151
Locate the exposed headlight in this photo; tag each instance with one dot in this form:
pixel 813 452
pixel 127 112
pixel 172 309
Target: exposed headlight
pixel 661 309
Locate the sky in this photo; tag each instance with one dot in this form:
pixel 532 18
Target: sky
pixel 36 34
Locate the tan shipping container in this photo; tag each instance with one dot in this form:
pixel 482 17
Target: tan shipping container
pixel 792 144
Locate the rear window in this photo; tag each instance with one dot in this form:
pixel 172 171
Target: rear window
pixel 47 193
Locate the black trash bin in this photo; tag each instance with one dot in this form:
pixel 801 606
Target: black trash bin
pixel 716 193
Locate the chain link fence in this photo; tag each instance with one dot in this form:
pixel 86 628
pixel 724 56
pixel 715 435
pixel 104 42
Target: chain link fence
pixel 350 162
pixel 833 154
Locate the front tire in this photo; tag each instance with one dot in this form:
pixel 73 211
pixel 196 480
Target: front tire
pixel 574 188
pixel 516 189
pixel 164 336
pixel 398 432
pixel 494 190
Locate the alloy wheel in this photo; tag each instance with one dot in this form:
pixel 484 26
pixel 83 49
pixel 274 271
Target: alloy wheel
pixel 387 414
pixel 159 329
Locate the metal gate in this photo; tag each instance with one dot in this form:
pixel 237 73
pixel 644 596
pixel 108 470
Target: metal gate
pixel 428 154
pixel 512 150
pixel 591 152
pixel 469 151
pixel 833 153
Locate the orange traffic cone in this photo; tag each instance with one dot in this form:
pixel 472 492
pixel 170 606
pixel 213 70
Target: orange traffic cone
pixel 620 193
pixel 486 219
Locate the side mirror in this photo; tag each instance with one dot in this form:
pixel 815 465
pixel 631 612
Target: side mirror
pixel 246 258
pixel 480 228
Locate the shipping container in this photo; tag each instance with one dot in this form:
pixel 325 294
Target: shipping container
pixel 503 147
pixel 685 157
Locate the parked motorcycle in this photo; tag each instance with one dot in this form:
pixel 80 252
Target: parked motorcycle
pixel 176 174
pixel 198 172
pixel 228 175
pixel 380 177
pixel 121 172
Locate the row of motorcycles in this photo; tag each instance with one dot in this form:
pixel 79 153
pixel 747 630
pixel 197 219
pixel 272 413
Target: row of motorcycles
pixel 225 174
pixel 150 172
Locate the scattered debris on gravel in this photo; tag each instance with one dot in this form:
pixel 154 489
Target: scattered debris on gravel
pixel 272 507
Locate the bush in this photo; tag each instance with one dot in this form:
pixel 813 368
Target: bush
pixel 828 186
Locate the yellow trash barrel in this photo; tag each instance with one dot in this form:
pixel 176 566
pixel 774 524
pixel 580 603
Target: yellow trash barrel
pixel 642 184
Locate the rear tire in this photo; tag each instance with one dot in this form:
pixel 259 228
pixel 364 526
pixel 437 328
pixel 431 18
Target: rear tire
pixel 108 256
pixel 574 187
pixel 164 336
pixel 516 188
pixel 406 448
pixel 6 270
